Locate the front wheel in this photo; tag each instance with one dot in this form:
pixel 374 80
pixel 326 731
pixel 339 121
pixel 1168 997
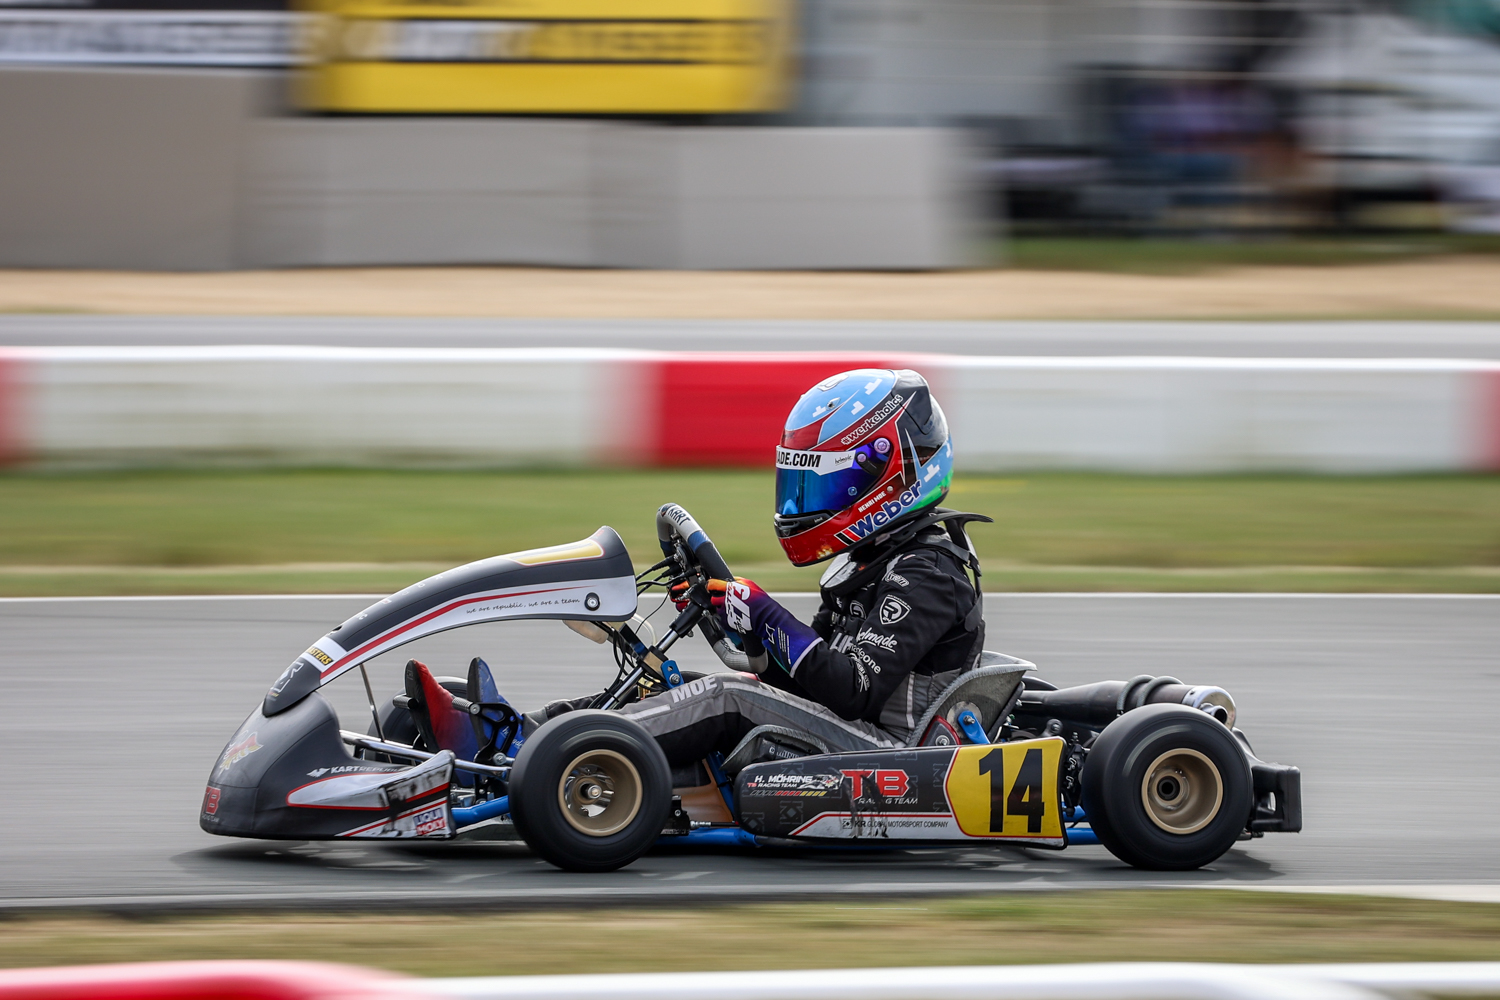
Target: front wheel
pixel 590 791
pixel 1167 788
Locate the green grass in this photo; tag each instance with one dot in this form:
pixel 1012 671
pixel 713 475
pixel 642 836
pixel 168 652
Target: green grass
pixel 1036 927
pixel 1159 255
pixel 267 531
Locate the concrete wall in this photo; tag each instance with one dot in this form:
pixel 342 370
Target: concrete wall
pixel 123 167
pixel 189 170
pixel 358 406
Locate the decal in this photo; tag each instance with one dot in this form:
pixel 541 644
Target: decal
pixel 821 462
pixel 287 675
pixel 897 579
pixel 210 800
pixel 892 610
pixel 345 769
pixel 795 784
pixel 736 606
pixel 887 825
pixel 889 510
pixel 856 609
pixel 861 676
pixel 861 657
pixel 874 420
pixel 239 751
pixel 319 655
pixel 692 688
pixel 889 782
pixel 431 822
pixel 872 638
pixel 1007 790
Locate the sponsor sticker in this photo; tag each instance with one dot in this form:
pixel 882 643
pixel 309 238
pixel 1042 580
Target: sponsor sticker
pixel 887 512
pixel 210 800
pixel 892 610
pixel 874 420
pixel 870 637
pixel 238 752
pixel 320 656
pixel 889 783
pixel 820 462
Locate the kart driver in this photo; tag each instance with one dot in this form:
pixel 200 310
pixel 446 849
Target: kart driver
pixel 863 463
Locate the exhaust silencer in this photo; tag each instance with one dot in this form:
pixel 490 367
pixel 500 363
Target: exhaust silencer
pixel 1100 704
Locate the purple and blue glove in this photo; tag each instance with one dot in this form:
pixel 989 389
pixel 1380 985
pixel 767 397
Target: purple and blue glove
pixel 743 607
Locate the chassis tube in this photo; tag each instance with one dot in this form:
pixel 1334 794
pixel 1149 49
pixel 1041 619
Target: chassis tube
pixel 402 750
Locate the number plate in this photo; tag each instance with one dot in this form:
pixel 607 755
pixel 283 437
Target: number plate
pixel 1007 790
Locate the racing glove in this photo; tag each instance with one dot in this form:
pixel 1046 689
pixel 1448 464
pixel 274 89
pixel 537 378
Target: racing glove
pixel 743 607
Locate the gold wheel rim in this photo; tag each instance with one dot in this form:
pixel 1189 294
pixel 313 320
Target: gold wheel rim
pixel 1182 791
pixel 600 793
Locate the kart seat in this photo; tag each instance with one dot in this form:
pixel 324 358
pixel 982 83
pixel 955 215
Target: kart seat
pixel 991 689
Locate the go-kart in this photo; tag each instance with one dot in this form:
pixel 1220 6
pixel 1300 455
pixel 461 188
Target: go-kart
pixel 1151 768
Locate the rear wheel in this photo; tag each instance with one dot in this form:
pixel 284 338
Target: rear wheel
pixel 590 791
pixel 1167 788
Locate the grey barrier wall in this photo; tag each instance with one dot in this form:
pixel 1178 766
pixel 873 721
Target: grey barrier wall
pixel 124 168
pixel 194 170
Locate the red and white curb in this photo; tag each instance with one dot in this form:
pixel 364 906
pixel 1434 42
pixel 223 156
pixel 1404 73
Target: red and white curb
pixel 249 980
pixel 591 407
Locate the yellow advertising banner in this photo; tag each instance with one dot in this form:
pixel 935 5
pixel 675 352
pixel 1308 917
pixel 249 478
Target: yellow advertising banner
pixel 550 56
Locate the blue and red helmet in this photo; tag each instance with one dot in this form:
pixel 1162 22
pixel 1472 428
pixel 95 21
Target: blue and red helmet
pixel 860 450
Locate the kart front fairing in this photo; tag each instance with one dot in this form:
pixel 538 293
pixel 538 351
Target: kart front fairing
pixel 590 580
pixel 286 772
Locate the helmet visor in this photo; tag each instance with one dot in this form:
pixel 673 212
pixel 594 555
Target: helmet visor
pixel 808 482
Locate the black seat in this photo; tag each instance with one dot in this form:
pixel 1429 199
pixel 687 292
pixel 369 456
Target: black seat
pixel 991 689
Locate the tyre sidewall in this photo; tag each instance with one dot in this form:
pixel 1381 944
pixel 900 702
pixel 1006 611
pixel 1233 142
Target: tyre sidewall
pixel 540 768
pixel 1117 767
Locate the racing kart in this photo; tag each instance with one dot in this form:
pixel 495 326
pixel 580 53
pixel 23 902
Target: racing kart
pixel 1151 768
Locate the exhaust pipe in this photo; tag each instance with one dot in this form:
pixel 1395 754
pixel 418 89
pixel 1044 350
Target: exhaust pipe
pixel 1100 704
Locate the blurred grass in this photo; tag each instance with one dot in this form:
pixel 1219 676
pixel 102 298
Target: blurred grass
pixel 1036 927
pixel 1164 255
pixel 347 530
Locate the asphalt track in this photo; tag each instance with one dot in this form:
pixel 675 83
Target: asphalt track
pixel 1028 338
pixel 116 709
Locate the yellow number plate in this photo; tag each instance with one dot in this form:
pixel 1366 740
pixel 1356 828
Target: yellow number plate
pixel 1007 790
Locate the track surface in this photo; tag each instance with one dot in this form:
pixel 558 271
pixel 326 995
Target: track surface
pixel 117 709
pixel 1243 339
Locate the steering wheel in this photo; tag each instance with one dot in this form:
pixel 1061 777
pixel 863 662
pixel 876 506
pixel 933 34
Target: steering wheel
pixel 688 545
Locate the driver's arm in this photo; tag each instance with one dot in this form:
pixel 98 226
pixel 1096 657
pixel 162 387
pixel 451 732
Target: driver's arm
pixel 856 681
pixel 920 604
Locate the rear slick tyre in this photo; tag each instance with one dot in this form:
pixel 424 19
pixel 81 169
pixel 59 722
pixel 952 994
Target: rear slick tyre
pixel 1167 788
pixel 590 791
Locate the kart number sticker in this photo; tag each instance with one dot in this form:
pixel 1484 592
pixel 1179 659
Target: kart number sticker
pixel 1007 790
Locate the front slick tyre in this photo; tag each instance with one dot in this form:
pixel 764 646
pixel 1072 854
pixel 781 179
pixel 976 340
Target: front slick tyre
pixel 590 791
pixel 1167 788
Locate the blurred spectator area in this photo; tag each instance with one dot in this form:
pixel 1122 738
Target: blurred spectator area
pixel 839 133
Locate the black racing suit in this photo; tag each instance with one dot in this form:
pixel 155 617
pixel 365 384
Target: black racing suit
pixel 894 636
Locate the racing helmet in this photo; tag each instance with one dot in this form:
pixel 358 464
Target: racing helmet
pixel 860 450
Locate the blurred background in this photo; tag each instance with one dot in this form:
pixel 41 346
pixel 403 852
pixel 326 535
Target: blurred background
pixel 210 134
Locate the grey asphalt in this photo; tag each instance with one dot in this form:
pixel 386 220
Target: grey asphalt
pixel 1031 338
pixel 115 710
